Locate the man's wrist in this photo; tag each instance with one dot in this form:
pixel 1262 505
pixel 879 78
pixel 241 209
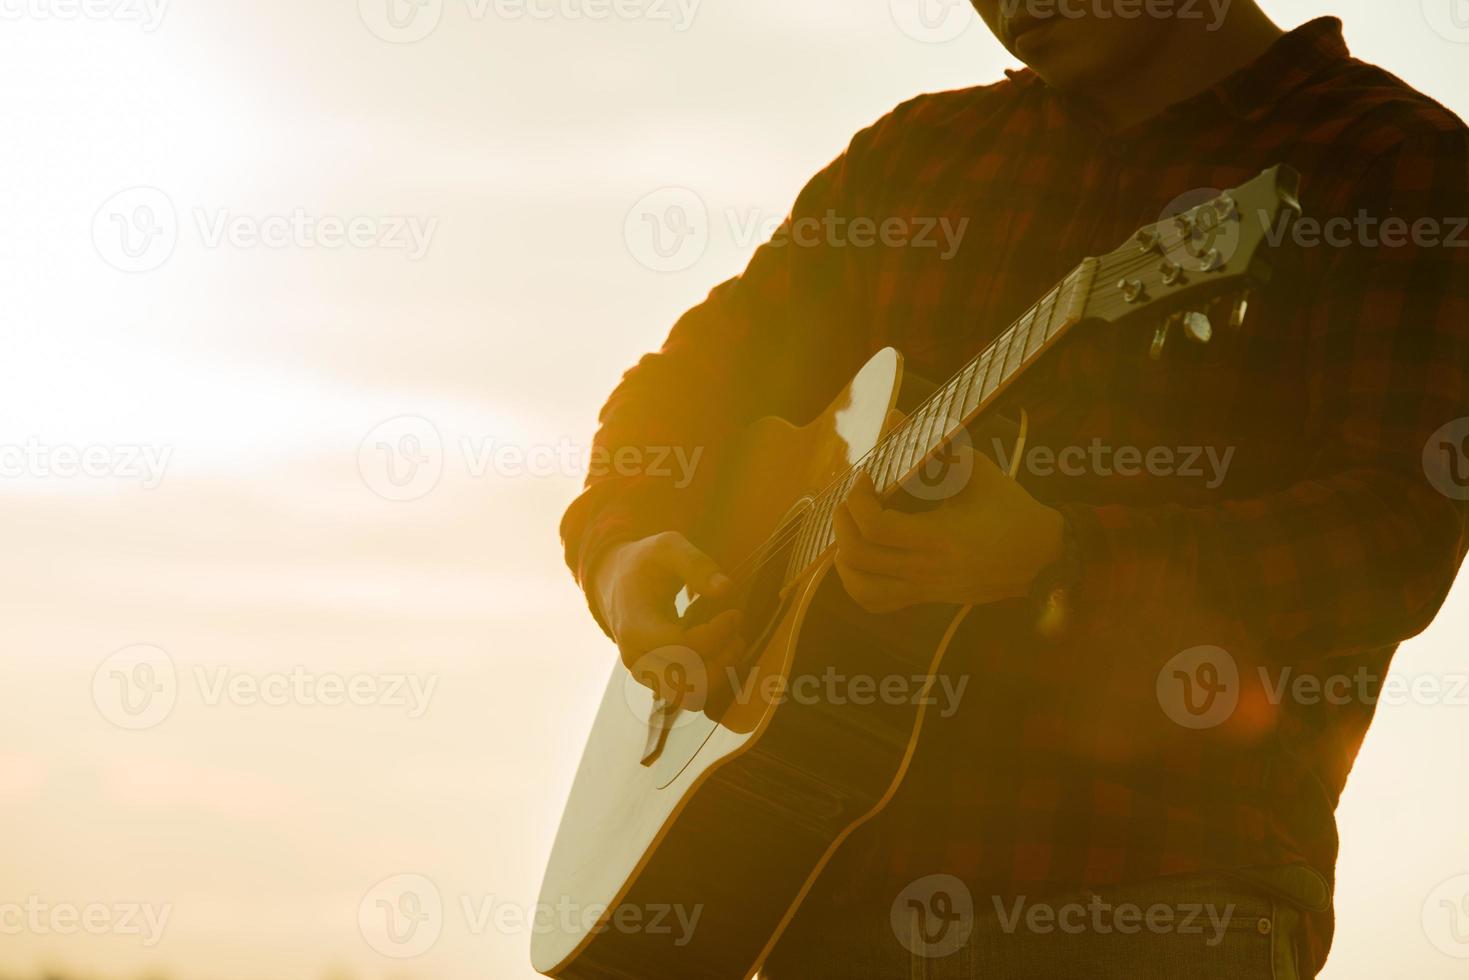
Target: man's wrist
pixel 597 592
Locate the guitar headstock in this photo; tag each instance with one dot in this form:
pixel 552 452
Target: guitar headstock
pixel 1189 260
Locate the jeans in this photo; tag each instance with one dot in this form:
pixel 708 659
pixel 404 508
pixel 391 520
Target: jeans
pixel 1189 927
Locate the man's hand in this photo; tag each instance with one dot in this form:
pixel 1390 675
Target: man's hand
pixel 634 585
pixel 987 543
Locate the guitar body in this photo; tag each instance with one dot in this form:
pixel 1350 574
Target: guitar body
pixel 733 820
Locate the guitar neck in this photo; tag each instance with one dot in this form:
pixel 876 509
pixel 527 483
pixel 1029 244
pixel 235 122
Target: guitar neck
pixel 965 396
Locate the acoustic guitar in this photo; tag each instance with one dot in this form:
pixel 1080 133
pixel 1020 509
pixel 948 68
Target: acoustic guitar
pixel 707 801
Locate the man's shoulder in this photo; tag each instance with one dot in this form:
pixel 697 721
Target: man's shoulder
pixel 1378 112
pixel 938 115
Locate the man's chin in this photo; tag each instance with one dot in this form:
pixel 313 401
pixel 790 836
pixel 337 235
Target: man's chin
pixel 1057 54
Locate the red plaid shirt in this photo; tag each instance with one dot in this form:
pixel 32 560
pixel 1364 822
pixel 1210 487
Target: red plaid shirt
pixel 1324 541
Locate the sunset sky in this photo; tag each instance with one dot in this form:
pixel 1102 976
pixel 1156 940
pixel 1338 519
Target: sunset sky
pixel 331 307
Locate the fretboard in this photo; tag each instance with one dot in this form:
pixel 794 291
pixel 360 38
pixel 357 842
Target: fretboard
pixel 932 425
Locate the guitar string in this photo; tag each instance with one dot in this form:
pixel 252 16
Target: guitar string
pixel 794 527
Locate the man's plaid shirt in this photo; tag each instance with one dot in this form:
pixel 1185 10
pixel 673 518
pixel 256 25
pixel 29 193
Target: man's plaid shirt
pixel 1325 530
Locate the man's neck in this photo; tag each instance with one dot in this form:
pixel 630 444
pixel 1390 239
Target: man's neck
pixel 1195 59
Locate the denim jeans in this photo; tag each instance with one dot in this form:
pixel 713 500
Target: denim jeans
pixel 1189 927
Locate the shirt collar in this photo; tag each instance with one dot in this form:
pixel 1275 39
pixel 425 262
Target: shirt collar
pixel 1250 93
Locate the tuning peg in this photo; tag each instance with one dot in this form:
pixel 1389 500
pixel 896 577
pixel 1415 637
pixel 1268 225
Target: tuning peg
pixel 1241 308
pixel 1160 336
pixel 1196 327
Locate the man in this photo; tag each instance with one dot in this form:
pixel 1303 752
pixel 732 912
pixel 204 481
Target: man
pixel 1089 834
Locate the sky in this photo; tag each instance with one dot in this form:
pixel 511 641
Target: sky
pixel 307 310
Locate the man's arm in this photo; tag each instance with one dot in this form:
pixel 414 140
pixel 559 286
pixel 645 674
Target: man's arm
pixel 1359 554
pixel 778 339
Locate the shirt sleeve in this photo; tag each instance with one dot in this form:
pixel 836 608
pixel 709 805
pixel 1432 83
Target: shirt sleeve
pixel 1361 552
pixel 778 339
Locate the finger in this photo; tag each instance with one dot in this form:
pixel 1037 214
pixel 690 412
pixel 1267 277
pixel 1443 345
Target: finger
pixel 697 570
pixel 875 593
pixel 890 527
pixel 876 559
pixel 645 635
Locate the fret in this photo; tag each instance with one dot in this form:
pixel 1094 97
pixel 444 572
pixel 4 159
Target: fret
pixel 821 539
pixel 801 552
pixel 881 463
pixel 903 450
pixel 975 397
pixel 1039 337
pixel 877 465
pixel 996 376
pixel 1063 299
pixel 966 387
pixel 921 419
pixel 947 420
pixel 1016 354
pixel 937 424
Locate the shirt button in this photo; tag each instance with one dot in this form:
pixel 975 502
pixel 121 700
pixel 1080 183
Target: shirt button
pixel 1264 926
